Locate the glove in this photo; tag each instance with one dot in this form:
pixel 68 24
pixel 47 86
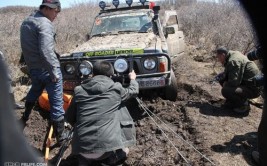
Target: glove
pixel 258 80
pixel 220 77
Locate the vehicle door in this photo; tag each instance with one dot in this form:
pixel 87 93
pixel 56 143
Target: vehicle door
pixel 175 41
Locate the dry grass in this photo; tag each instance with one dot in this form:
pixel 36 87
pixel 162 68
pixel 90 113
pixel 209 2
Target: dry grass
pixel 205 25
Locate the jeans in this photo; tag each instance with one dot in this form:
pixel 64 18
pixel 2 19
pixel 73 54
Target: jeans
pixel 41 80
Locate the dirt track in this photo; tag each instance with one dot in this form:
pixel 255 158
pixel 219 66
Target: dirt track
pixel 195 117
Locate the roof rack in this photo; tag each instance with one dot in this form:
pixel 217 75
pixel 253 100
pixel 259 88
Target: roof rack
pixel 143 4
pixel 125 8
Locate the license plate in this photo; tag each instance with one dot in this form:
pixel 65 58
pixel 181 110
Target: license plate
pixel 151 82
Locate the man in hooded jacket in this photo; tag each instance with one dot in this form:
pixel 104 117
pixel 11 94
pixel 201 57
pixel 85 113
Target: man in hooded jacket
pixel 103 127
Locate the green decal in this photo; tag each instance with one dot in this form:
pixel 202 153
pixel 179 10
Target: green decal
pixel 115 52
pixel 130 51
pixel 107 52
pixel 89 54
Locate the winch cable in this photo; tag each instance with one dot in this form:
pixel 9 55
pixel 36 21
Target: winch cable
pixel 177 135
pixel 145 109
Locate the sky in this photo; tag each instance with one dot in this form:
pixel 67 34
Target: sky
pixel 36 3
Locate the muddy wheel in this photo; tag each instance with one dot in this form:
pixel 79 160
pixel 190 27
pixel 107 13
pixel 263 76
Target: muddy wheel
pixel 170 92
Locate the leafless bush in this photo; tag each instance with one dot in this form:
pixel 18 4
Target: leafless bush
pixel 205 24
pixel 73 24
pixel 211 24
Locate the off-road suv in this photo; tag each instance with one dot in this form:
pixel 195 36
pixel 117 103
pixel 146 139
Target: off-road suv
pixel 131 38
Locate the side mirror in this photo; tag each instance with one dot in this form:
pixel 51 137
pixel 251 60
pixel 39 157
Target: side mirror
pixel 169 30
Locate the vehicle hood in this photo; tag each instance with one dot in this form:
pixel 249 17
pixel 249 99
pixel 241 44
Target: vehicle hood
pixel 120 41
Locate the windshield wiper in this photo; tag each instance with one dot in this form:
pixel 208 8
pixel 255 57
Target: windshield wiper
pixel 127 31
pixel 105 34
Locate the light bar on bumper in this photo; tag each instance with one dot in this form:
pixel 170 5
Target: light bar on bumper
pixel 86 68
pixel 120 65
pixel 162 59
pixel 69 68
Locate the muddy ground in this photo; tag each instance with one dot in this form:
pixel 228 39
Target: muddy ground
pixel 193 130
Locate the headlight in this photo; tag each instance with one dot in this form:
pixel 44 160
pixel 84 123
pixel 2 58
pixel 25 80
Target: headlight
pixel 69 68
pixel 120 65
pixel 86 68
pixel 149 63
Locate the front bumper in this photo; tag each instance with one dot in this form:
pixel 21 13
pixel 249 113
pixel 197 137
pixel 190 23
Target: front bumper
pixel 155 78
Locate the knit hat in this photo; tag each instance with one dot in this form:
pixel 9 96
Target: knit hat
pixel 221 50
pixel 102 67
pixel 51 3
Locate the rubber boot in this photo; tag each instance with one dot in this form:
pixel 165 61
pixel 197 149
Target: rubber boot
pixel 59 130
pixel 28 109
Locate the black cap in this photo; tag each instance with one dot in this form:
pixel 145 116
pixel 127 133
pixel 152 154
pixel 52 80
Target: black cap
pixel 221 50
pixel 51 3
pixel 102 67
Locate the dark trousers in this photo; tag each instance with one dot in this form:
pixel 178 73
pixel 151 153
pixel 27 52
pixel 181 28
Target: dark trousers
pixel 113 158
pixel 262 137
pixel 239 95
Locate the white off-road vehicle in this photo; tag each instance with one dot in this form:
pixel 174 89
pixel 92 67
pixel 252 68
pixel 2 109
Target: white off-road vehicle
pixel 131 37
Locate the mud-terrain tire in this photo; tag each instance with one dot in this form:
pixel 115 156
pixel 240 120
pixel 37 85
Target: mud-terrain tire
pixel 170 92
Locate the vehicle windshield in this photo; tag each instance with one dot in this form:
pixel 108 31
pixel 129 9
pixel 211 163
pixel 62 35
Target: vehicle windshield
pixel 121 23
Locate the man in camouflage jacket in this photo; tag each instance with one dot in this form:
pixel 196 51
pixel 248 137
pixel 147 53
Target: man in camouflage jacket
pixel 238 85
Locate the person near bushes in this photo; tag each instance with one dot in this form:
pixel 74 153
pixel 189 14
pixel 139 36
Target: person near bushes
pixel 237 80
pixel 11 91
pixel 103 127
pixel 37 37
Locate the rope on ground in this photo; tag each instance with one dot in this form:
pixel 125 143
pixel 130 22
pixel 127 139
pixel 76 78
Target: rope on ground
pixel 177 135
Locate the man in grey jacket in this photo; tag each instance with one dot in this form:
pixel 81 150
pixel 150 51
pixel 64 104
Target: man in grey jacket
pixel 103 127
pixel 38 47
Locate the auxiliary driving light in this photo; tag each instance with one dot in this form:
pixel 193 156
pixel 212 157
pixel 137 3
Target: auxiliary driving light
pixel 86 68
pixel 116 3
pixel 120 65
pixel 102 5
pixel 69 68
pixel 129 2
pixel 149 63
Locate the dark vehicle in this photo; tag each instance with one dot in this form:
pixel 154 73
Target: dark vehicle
pixel 131 38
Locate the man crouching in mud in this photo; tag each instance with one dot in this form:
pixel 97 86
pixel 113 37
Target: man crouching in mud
pixel 103 127
pixel 238 80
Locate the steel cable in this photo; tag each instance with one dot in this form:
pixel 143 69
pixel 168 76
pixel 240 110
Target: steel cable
pixel 177 135
pixel 145 109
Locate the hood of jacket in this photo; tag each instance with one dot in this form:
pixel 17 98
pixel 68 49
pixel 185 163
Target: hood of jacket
pixel 97 85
